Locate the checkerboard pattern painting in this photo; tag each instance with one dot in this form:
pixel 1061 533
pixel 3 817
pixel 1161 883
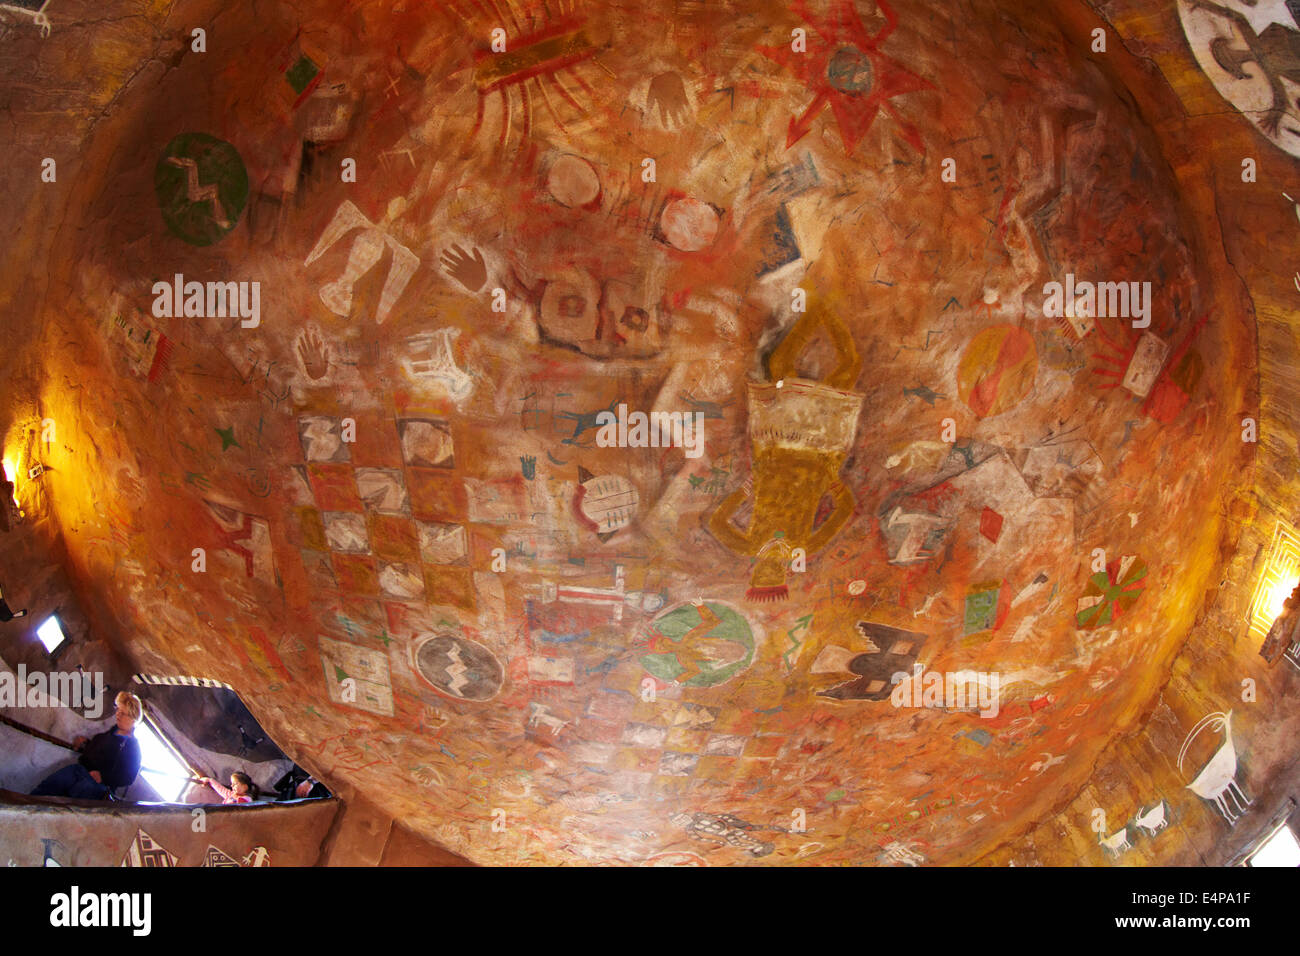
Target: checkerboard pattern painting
pixel 673 746
pixel 366 528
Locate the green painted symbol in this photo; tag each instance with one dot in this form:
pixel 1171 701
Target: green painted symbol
pixel 981 609
pixel 704 652
pixel 202 187
pixel 301 74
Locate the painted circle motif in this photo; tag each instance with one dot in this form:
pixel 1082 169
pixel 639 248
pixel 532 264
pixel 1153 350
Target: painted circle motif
pixel 202 187
pixel 572 181
pixel 459 667
pixel 1234 42
pixel 707 656
pixel 849 70
pixel 997 369
pixel 689 225
pixel 1111 594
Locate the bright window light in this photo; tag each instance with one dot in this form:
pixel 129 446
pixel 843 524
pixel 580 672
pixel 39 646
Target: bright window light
pixel 159 765
pixel 1281 849
pixel 1279 578
pixel 51 634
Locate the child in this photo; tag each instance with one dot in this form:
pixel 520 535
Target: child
pixel 241 788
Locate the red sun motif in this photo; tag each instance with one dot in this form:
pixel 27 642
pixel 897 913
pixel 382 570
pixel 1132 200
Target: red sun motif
pixel 847 71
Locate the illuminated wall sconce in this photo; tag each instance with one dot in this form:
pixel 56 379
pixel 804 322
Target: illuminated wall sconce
pixel 1281 574
pixel 1269 615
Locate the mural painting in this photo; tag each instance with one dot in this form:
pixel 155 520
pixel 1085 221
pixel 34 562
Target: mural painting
pixel 631 411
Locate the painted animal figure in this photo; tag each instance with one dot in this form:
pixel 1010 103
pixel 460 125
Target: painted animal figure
pixel 709 409
pixel 723 829
pixel 1217 779
pixel 1155 819
pixel 1117 843
pixel 538 714
pixel 582 421
pixel 1275 53
pixel 901 853
pixel 39 16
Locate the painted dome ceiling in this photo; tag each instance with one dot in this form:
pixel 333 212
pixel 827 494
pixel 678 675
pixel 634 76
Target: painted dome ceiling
pixel 367 330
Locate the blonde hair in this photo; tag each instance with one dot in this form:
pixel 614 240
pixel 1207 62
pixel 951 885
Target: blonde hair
pixel 129 703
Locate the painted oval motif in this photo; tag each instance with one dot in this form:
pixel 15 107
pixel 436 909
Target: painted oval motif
pixel 459 667
pixel 202 187
pixel 700 646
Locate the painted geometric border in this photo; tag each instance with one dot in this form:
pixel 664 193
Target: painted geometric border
pixel 181 681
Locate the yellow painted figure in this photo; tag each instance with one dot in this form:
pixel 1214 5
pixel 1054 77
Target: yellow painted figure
pixel 800 433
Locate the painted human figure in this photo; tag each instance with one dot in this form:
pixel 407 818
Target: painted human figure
pixel 800 432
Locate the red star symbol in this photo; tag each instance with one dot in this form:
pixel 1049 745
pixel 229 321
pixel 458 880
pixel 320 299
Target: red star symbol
pixel 847 71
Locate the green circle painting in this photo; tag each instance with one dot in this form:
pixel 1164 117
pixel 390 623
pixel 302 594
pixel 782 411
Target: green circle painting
pixel 700 645
pixel 202 187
